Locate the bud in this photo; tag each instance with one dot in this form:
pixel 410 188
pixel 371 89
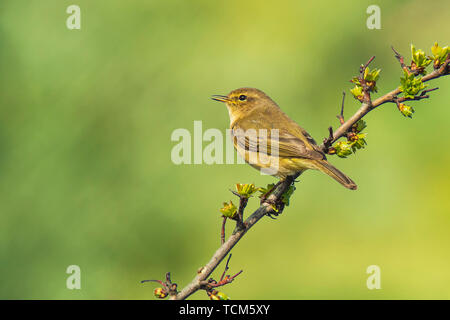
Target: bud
pixel 160 293
pixel 371 78
pixel 343 149
pixel 437 63
pixel 246 190
pixel 419 60
pixel 229 210
pixel 358 142
pixel 439 54
pixel 407 111
pixel 357 92
pixel 372 86
pixel 217 295
pixel 410 85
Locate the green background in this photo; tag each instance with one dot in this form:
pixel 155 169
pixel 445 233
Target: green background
pixel 86 176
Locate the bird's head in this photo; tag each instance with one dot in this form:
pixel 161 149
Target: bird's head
pixel 243 101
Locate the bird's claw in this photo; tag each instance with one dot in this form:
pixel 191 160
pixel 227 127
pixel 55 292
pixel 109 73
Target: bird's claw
pixel 275 205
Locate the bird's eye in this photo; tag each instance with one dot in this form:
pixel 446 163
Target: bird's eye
pixel 242 97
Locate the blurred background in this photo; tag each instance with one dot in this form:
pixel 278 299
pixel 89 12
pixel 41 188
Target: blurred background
pixel 86 177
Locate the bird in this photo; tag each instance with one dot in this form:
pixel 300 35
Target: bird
pixel 251 110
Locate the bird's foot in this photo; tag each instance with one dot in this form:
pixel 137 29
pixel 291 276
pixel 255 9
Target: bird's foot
pixel 276 208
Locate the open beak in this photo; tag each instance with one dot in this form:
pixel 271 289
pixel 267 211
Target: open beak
pixel 220 98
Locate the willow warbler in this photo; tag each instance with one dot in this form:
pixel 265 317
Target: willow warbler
pixel 296 151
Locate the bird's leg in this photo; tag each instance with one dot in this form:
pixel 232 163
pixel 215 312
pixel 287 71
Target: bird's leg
pixel 277 205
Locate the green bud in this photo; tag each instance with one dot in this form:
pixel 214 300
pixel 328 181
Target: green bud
pixel 357 92
pixel 358 142
pixel 217 295
pixel 246 190
pixel 343 149
pixel 407 111
pixel 439 54
pixel 419 60
pixel 371 75
pixel 411 85
pixel 229 210
pixel 160 293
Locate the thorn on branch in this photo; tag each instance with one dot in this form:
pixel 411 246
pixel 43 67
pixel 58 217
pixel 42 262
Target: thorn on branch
pixel 341 115
pixel 401 60
pixel 399 57
pixel 363 68
pixel 426 91
pixel 226 267
pixel 211 285
pixel 222 233
pixel 327 142
pixel 422 95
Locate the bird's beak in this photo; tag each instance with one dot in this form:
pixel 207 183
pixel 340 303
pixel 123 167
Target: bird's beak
pixel 220 98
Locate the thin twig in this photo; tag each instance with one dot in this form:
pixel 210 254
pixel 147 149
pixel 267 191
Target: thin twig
pixel 222 233
pixel 226 268
pixel 341 115
pixel 401 60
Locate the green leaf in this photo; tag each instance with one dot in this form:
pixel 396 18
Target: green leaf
pixel 359 142
pixel 359 126
pixel 439 54
pixel 266 189
pixel 287 195
pixel 420 60
pixel 411 85
pixel 372 75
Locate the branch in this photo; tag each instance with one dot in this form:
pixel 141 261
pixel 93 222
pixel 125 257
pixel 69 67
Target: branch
pixel 272 202
pixel 238 233
pixel 391 96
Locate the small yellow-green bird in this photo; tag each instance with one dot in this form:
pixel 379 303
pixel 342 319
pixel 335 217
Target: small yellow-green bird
pixel 252 110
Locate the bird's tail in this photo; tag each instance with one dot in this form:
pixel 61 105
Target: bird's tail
pixel 337 175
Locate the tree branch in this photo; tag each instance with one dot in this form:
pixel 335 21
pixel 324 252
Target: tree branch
pixel 271 203
pixel 237 235
pixel 366 107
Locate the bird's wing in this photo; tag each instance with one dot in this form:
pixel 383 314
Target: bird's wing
pixel 251 136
